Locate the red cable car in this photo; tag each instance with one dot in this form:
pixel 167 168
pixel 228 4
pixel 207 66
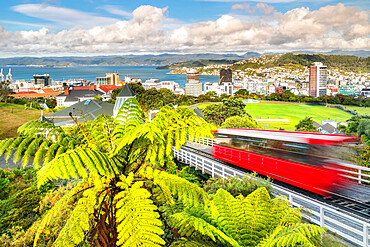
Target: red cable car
pixel 306 160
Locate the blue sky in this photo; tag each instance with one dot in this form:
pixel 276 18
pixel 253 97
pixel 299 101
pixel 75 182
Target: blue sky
pixel 116 27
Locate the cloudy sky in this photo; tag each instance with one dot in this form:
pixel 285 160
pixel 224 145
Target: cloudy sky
pixel 104 27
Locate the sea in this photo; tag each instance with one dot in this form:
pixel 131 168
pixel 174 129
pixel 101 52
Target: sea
pixel 91 72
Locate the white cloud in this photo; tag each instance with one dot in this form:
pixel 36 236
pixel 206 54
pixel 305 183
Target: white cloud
pixel 149 30
pixel 116 10
pixel 66 16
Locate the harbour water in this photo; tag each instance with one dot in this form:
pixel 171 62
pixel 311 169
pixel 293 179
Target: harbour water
pixel 91 72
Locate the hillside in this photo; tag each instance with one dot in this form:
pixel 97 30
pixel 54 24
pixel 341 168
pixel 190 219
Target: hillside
pixel 348 63
pixel 200 63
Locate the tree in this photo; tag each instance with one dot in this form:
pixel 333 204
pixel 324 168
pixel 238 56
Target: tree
pixel 242 92
pixel 98 97
pixel 218 113
pixel 113 163
pixel 124 197
pixel 306 125
pixel 4 92
pixel 240 122
pixel 211 94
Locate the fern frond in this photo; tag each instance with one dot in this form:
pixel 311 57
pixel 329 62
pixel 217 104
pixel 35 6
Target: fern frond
pixel 40 153
pixel 183 242
pixel 294 235
pixel 193 227
pixel 77 162
pixel 50 152
pixel 5 144
pixel 11 147
pixel 73 232
pixel 49 216
pixel 31 150
pixel 188 193
pixel 23 146
pixel 137 219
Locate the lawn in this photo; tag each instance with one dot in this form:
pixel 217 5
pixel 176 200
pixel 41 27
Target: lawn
pixel 359 110
pixel 292 111
pixel 12 116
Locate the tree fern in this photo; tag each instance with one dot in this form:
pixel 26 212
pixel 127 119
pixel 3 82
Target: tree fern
pixel 138 223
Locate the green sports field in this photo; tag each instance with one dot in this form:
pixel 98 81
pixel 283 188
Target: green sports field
pixel 292 111
pixel 359 110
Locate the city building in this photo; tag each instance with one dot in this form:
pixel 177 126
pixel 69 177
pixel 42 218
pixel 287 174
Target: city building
pixel 192 86
pixel 219 89
pixel 155 83
pixel 43 80
pixel 347 90
pixel 226 75
pixel 151 83
pixel 1 75
pixel 109 79
pixel 132 80
pixel 365 92
pixel 318 79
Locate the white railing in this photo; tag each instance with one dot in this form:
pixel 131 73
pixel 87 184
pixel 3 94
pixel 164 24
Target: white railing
pixel 359 174
pixel 350 228
pixel 202 140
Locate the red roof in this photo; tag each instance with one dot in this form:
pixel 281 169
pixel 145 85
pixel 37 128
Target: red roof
pixel 26 92
pixel 291 136
pixel 84 87
pixel 107 88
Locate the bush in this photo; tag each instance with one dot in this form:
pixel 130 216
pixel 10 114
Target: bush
pixel 236 187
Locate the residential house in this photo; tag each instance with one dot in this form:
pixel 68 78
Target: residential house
pixel 72 96
pixel 86 110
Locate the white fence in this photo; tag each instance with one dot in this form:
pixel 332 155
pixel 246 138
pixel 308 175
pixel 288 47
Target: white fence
pixel 350 228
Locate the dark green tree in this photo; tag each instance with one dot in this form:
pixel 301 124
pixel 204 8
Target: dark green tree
pixel 240 122
pixel 242 92
pixel 218 113
pixel 306 125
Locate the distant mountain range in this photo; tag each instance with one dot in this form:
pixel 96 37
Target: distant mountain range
pixel 138 60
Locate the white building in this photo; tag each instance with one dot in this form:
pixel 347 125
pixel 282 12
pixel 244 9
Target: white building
pixel 224 88
pixel 155 83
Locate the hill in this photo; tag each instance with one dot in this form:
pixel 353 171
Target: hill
pixel 348 63
pixel 199 63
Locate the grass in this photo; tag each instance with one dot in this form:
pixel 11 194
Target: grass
pixel 12 116
pixel 359 110
pixel 292 111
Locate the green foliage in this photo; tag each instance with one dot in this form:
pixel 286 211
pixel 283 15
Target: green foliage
pixel 240 122
pixel 242 92
pixel 306 125
pixel 349 63
pixel 237 187
pixel 122 196
pixel 218 113
pixel 255 220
